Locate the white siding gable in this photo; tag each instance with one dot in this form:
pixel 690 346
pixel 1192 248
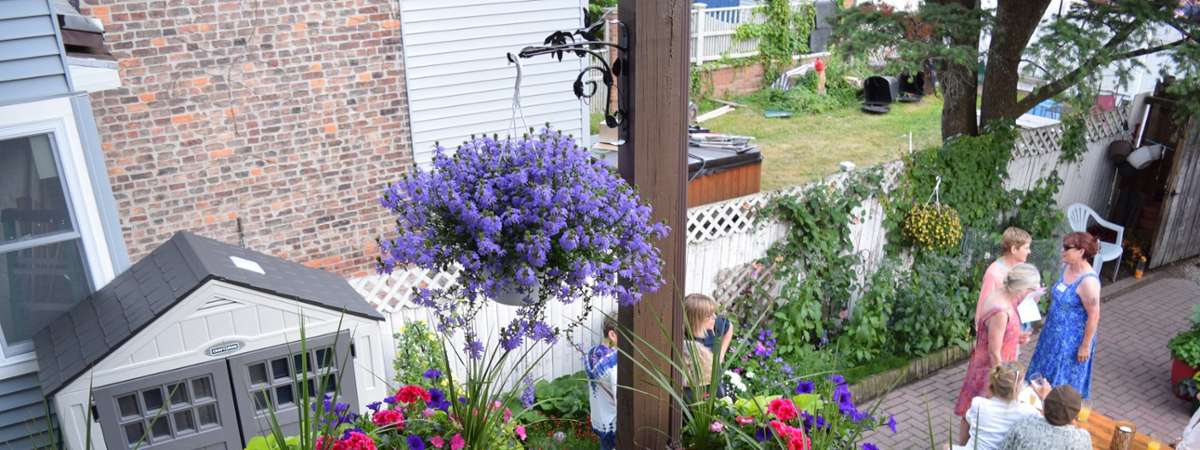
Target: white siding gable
pixel 460 83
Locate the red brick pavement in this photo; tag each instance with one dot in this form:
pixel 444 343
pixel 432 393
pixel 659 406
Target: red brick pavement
pixel 1130 378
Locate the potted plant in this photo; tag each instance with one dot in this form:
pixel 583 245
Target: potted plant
pixel 1185 353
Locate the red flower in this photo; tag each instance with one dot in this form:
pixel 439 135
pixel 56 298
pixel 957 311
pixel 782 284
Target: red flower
pixel 795 437
pixel 388 417
pixel 411 393
pixel 783 409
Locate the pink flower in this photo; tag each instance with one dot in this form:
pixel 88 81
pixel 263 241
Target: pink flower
pixel 437 442
pixel 716 426
pixel 457 442
pixel 783 409
pixel 388 417
pixel 412 393
pixel 496 404
pixel 744 420
pixel 507 415
pixel 428 412
pixel 520 430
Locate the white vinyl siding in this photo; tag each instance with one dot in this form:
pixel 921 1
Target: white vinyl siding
pixel 460 83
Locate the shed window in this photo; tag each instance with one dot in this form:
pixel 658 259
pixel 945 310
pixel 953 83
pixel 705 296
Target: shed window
pixel 146 417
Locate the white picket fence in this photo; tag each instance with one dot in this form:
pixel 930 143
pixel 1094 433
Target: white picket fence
pixel 723 238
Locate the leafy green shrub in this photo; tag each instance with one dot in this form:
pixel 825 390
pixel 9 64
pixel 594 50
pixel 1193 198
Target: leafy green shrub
pixel 565 397
pixel 1185 346
pixel 817 274
pixel 934 308
pixel 803 98
pixel 865 335
pixel 417 350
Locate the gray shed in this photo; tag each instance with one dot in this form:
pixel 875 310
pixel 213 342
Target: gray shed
pixel 194 344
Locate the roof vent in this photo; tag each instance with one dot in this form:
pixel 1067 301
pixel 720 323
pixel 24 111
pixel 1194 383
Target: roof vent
pixel 245 264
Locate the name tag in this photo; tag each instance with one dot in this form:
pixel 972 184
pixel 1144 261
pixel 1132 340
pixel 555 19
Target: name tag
pixel 1061 287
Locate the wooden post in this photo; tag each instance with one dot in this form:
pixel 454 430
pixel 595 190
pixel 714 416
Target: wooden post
pixel 654 161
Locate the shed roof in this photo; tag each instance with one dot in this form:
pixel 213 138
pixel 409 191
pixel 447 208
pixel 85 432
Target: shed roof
pixel 99 324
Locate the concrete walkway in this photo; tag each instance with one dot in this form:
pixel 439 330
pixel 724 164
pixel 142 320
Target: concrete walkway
pixel 1130 379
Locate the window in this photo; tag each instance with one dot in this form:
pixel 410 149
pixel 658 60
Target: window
pixel 166 412
pixel 42 266
pixel 59 234
pixel 275 383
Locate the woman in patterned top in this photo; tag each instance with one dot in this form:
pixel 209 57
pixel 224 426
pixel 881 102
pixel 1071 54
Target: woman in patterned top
pixel 600 364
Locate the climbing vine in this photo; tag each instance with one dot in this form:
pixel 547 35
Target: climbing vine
pixel 816 274
pixel 781 36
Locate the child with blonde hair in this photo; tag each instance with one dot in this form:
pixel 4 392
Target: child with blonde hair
pixel 704 326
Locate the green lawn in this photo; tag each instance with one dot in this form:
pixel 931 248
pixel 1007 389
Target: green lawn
pixel 807 147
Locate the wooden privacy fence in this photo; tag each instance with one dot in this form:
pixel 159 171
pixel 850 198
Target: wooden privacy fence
pixel 724 239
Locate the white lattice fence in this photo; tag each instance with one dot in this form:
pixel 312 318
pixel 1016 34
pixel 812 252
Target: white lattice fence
pixel 1087 180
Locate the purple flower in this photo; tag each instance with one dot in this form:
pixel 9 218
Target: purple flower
pixel 474 348
pixel 374 406
pixel 391 400
pixel 415 442
pixel 536 214
pixel 762 434
pixel 869 446
pixel 437 399
pixel 858 416
pixel 837 379
pixel 528 395
pixel 433 374
pixel 820 423
pixel 807 419
pixel 805 387
pixel 761 351
pixel 891 423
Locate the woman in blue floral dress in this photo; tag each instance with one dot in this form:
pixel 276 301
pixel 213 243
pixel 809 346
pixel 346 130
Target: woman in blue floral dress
pixel 1067 343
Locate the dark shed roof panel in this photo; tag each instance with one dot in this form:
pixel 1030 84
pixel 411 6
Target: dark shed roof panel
pixel 95 327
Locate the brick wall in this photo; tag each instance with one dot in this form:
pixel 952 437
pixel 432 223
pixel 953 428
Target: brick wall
pixel 289 115
pixel 730 81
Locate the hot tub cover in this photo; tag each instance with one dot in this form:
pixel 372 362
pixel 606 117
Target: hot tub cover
pixel 99 324
pixel 708 160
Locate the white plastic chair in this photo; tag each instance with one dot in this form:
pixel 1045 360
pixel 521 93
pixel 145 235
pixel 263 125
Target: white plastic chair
pixel 1078 215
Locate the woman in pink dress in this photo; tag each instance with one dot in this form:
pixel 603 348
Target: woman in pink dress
pixel 998 337
pixel 1014 249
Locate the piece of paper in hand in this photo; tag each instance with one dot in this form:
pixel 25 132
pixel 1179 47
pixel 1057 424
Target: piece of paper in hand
pixel 1028 310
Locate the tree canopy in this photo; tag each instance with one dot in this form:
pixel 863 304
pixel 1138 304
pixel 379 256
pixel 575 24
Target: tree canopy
pixel 1067 52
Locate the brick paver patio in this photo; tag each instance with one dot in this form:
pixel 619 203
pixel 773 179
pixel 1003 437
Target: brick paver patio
pixel 1131 378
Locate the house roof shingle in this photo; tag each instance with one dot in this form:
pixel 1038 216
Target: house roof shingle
pixel 81 337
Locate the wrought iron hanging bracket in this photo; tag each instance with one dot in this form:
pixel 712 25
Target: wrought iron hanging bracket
pixel 583 43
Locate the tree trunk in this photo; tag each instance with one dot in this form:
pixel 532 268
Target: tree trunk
pixel 958 108
pixel 959 83
pixel 1016 20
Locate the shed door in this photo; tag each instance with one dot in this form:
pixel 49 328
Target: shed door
pixel 185 409
pixel 1178 235
pixel 268 380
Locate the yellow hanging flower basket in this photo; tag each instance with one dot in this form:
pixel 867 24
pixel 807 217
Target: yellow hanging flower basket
pixel 933 226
